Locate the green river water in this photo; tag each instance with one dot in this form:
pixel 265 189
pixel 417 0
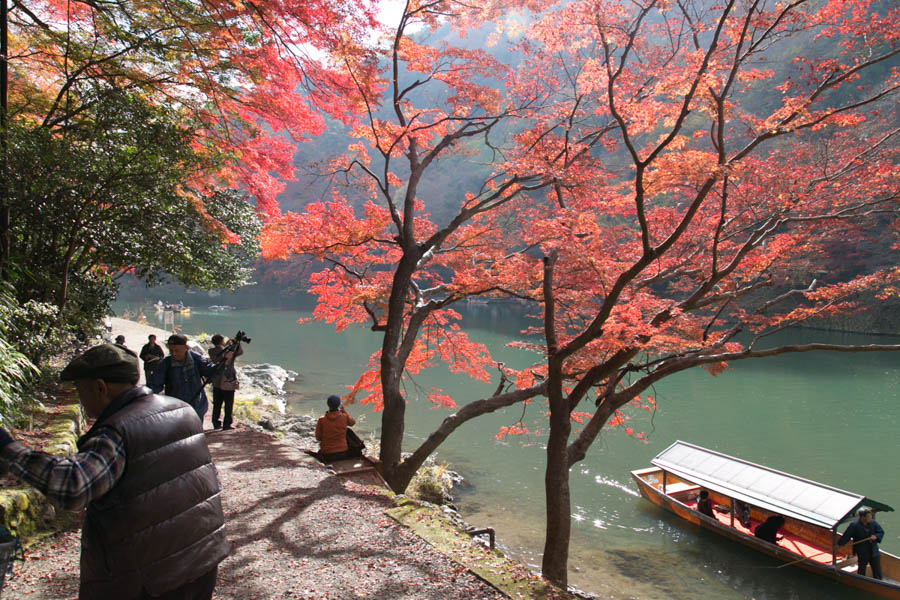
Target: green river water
pixel 828 417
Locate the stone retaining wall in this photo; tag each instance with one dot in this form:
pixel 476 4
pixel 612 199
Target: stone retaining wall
pixel 25 511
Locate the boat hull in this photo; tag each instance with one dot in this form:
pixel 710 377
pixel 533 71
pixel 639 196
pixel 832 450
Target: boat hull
pixel 883 589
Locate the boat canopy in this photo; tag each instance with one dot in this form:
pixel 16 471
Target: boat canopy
pixel 766 488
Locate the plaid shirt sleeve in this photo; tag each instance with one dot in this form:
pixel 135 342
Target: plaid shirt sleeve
pixel 74 481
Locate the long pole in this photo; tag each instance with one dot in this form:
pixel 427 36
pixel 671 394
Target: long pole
pixel 802 558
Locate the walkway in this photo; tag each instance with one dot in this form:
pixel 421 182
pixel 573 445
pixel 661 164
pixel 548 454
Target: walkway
pixel 297 532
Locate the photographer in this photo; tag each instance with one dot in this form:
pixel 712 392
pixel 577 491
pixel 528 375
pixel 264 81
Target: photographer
pixel 226 383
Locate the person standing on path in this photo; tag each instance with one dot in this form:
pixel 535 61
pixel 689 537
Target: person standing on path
pixel 151 354
pixel 866 534
pixel 181 374
pixel 225 384
pixel 154 526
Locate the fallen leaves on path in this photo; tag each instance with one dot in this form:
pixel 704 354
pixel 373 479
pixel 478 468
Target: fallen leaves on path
pixel 297 532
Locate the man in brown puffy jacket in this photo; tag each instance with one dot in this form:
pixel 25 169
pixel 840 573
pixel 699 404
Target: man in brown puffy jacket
pixel 154 529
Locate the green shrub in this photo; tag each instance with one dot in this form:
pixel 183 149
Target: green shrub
pixel 431 484
pixel 17 373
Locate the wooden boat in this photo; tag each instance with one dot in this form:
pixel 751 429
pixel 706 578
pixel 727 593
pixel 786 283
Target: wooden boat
pixel 815 514
pixel 178 308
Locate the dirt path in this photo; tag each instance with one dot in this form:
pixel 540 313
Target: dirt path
pixel 297 531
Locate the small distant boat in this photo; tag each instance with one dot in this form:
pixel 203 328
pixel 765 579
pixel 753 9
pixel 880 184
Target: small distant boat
pixel 220 307
pixel 813 512
pixel 179 308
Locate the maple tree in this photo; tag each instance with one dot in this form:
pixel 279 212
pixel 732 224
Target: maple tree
pixel 669 184
pixel 388 262
pixel 748 137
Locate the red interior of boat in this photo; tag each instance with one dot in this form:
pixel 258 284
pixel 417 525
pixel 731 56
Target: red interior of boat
pixel 790 542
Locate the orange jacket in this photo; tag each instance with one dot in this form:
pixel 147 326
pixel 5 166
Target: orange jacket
pixel 331 431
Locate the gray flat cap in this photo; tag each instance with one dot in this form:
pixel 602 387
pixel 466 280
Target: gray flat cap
pixel 109 362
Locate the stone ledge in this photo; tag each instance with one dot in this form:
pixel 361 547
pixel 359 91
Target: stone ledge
pixel 24 511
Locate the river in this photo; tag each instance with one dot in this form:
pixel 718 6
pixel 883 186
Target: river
pixel 828 417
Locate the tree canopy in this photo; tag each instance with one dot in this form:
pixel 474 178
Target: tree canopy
pixel 142 137
pixel 105 197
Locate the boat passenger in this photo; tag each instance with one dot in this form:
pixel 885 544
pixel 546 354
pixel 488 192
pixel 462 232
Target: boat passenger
pixel 768 531
pixel 704 504
pixel 866 534
pixel 742 512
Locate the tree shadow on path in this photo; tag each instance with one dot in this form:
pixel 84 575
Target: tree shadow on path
pixel 298 531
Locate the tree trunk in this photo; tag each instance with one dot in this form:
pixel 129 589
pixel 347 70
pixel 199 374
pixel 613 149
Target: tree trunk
pixel 392 366
pixel 4 111
pixel 403 473
pixel 554 566
pixel 392 425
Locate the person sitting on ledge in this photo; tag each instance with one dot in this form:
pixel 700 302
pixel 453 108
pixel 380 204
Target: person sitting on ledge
pixel 334 434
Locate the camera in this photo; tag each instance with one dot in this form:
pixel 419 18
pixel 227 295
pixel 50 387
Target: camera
pixel 233 345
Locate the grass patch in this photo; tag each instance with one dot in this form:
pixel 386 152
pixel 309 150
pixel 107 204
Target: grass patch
pixel 431 483
pixel 246 410
pixel 513 579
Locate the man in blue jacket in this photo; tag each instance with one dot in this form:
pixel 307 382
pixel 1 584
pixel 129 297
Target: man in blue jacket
pixel 866 534
pixel 180 374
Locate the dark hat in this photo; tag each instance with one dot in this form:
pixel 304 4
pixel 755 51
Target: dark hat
pixel 334 402
pixel 109 362
pixel 176 339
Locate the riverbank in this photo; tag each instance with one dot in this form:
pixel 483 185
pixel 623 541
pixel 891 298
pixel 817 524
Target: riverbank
pixel 298 530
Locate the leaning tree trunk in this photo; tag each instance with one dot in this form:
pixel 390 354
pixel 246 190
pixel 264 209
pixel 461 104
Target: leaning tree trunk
pixel 554 566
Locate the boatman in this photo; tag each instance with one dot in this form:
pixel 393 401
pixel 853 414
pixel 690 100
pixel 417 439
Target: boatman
pixel 866 534
pixel 154 526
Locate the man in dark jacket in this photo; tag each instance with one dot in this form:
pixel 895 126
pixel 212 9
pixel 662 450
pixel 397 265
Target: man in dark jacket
pixel 151 354
pixel 866 534
pixel 181 374
pixel 768 531
pixel 154 526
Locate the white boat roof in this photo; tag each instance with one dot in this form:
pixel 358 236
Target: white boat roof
pixel 766 488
